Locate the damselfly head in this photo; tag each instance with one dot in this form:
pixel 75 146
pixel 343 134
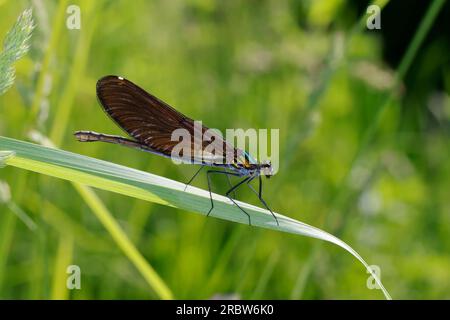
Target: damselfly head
pixel 266 169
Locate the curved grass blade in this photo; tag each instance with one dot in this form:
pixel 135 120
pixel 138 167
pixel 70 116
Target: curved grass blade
pixel 112 177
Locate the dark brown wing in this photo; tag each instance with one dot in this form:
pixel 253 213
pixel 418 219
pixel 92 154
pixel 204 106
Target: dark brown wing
pixel 149 120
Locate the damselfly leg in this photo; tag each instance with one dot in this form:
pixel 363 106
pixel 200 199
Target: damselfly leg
pixel 259 194
pixel 247 181
pixel 193 177
pixel 231 185
pixel 232 189
pixel 198 171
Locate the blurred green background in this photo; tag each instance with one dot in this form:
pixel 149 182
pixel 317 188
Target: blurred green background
pixel 362 156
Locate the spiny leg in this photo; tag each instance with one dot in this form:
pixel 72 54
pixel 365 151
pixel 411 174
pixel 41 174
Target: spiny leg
pixel 234 188
pixel 231 186
pixel 210 195
pixel 259 194
pixel 189 182
pixel 209 184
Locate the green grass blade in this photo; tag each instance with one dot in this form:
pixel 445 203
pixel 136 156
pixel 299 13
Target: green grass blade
pixel 112 177
pixel 63 258
pixel 419 37
pixel 57 27
pixel 124 243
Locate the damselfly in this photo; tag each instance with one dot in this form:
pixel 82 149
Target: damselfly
pixel 151 122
